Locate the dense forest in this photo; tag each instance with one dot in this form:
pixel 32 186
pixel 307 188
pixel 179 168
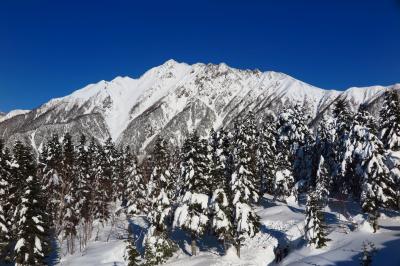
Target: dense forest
pixel 209 186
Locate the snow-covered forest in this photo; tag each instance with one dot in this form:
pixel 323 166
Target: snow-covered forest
pixel 211 193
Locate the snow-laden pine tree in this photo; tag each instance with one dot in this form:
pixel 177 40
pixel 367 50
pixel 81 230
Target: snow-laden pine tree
pixel 390 121
pixel 51 164
pixel 104 177
pixel 70 211
pixel 315 227
pixel 6 208
pixel 158 246
pixel 266 154
pixel 324 145
pixel 136 193
pixel 322 181
pixel 84 196
pixel 193 207
pixel 343 118
pixel 160 184
pixel 293 134
pixel 243 187
pixel 220 204
pixel 377 185
pixel 132 255
pixel 30 217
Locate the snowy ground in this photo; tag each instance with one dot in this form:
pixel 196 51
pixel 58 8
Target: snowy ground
pixel 280 223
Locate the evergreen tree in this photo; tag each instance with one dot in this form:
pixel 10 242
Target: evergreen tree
pixel 343 120
pixel 221 204
pixel 132 255
pixel 266 154
pixel 30 216
pixel 160 185
pixel 70 215
pixel 293 135
pixel 136 189
pixel 104 177
pixel 376 189
pixel 6 207
pixel 192 213
pixel 158 247
pixel 83 193
pixel 244 192
pixel 322 181
pixel 315 227
pixel 390 121
pixel 51 163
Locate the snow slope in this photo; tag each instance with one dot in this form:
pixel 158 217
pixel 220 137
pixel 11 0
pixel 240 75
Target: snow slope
pixel 12 114
pixel 280 223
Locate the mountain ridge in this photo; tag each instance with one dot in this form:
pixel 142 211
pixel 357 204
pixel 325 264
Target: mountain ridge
pixel 173 99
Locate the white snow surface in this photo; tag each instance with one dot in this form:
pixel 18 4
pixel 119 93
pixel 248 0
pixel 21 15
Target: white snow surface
pixel 279 223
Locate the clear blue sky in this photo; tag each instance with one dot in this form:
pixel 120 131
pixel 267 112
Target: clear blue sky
pixel 50 48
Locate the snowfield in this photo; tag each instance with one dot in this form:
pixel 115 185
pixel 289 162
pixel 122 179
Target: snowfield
pixel 280 223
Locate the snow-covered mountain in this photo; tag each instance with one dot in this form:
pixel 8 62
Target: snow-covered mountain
pixel 11 114
pixel 174 99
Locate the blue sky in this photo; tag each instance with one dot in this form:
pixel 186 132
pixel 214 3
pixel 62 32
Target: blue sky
pixel 50 48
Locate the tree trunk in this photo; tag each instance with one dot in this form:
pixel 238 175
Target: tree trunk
pixel 193 246
pixel 238 249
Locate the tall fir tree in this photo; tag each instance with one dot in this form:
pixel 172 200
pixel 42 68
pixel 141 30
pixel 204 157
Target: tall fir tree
pixel 390 121
pixel 6 207
pixel 220 204
pixel 83 193
pixel 343 118
pixel 192 211
pixel 136 194
pixel 377 185
pixel 51 165
pixel 266 153
pixel 32 240
pixel 243 187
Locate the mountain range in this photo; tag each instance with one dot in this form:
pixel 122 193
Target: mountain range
pixel 173 99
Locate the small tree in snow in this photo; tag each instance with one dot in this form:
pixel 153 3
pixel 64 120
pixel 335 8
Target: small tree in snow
pixel 368 251
pixel 315 227
pixel 132 255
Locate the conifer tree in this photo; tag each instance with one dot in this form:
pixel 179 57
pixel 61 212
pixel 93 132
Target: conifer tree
pixel 136 190
pixel 6 208
pixel 315 227
pixel 266 154
pixel 51 164
pixel 220 204
pixel 132 255
pixel 83 193
pixel 192 213
pixel 293 134
pixel 322 181
pixel 30 216
pixel 343 120
pixel 377 185
pixel 244 192
pixel 390 121
pixel 69 208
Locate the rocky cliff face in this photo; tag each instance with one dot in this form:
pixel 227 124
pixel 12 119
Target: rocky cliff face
pixel 174 99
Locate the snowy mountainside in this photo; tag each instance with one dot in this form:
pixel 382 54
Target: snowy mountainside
pixel 173 99
pixel 11 114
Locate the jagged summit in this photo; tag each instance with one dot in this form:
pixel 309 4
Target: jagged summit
pixel 174 99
